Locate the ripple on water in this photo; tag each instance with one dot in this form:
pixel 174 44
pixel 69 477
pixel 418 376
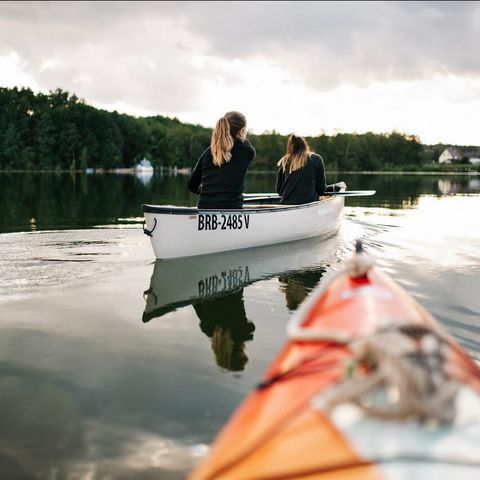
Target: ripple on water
pixel 35 261
pixel 433 252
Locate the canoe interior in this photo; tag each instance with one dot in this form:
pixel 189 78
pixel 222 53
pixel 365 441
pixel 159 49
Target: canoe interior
pixel 256 203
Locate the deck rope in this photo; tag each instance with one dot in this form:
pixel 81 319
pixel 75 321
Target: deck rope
pixel 398 373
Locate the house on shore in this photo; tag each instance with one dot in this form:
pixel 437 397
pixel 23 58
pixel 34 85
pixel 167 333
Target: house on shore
pixel 450 155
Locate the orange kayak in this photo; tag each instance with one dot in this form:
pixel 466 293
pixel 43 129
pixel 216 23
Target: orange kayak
pixel 368 386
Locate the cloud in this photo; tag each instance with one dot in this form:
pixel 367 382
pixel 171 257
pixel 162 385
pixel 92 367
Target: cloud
pixel 107 53
pixel 196 59
pixel 328 43
pixel 12 73
pixel 322 43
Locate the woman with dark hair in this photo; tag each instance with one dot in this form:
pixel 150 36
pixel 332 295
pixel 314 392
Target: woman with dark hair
pixel 301 173
pixel 219 175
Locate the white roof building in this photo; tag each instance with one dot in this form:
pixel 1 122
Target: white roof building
pixel 449 155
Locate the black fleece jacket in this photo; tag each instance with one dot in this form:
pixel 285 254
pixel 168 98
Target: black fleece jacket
pixel 222 187
pixel 304 185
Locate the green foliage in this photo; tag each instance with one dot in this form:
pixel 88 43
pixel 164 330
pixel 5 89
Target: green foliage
pixel 59 131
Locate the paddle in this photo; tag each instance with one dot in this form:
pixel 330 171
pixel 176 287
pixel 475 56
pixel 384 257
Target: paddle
pixel 262 195
pixel 351 193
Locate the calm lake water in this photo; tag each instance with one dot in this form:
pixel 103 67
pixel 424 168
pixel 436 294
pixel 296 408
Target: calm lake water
pixel 115 366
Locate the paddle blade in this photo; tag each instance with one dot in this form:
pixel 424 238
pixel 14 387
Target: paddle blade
pixel 353 193
pixel 263 195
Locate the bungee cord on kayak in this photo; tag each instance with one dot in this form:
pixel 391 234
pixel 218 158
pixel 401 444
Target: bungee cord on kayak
pixel 304 367
pixel 398 373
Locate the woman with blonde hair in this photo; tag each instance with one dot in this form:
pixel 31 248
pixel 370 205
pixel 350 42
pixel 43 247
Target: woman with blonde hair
pixel 224 320
pixel 301 173
pixel 219 175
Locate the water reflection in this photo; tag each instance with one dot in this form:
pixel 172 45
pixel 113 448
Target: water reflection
pixel 404 191
pixel 45 201
pixel 223 319
pixel 214 286
pixel 449 186
pixel 189 281
pixel 89 393
pixel 42 201
pixel 298 285
pixel 178 283
pixel 144 177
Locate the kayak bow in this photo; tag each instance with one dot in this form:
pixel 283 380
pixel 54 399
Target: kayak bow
pixel 368 386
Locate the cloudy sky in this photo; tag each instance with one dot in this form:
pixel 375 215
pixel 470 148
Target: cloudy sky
pixel 303 67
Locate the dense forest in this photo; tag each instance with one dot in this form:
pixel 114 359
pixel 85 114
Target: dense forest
pixel 59 131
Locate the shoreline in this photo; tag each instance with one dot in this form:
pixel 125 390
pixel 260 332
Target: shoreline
pixel 265 172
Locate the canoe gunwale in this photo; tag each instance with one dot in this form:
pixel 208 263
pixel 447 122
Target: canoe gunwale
pixel 172 210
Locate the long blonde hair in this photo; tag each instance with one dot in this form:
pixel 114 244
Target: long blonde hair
pixel 298 151
pixel 223 136
pixel 228 354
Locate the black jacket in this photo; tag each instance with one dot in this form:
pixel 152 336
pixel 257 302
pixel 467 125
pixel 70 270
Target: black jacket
pixel 304 185
pixel 222 187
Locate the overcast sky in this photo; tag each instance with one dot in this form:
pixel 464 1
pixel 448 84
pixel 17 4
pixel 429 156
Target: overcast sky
pixel 303 67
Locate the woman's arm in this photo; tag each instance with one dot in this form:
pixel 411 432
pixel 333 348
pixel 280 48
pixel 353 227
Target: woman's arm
pixel 195 180
pixel 251 151
pixel 320 182
pixel 279 185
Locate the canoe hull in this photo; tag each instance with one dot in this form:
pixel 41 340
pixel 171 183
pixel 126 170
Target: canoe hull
pixel 184 232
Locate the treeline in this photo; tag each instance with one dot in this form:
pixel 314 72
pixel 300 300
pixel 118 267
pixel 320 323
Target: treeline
pixel 59 131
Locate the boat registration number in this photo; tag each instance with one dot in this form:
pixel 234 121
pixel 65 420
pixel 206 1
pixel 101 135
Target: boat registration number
pixel 212 221
pixel 223 282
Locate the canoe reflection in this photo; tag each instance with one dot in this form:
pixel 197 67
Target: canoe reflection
pixel 213 285
pixel 188 281
pixel 224 320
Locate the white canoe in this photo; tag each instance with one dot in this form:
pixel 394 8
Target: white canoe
pixel 184 232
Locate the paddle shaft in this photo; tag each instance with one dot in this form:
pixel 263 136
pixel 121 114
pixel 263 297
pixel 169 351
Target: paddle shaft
pixel 351 193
